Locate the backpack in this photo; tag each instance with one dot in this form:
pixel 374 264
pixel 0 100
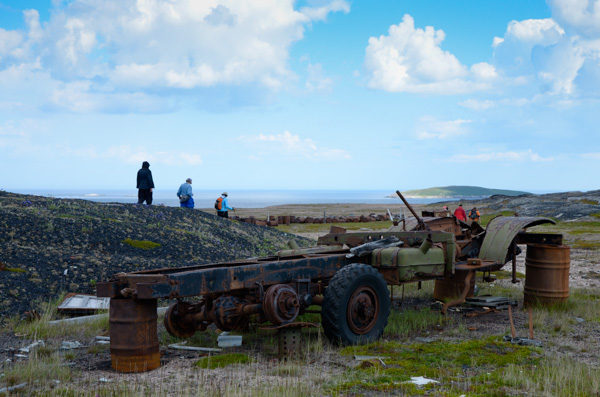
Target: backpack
pixel 219 204
pixel 473 214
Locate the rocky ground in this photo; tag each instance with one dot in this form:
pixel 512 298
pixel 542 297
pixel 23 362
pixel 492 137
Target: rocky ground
pixel 568 206
pixel 49 245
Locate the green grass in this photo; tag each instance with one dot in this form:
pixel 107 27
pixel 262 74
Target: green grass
pixel 409 321
pixel 212 362
pixel 325 227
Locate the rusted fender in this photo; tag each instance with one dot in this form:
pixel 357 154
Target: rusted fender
pixel 500 233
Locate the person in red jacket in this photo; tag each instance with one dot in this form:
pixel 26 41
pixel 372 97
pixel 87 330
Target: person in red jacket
pixel 460 213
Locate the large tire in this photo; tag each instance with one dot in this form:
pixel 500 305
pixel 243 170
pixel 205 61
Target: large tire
pixel 356 305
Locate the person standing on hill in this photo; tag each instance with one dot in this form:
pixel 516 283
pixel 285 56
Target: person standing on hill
pixel 474 215
pixel 145 184
pixel 185 194
pixel 460 213
pixel 222 206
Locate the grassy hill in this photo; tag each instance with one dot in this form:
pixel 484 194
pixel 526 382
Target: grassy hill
pixel 460 192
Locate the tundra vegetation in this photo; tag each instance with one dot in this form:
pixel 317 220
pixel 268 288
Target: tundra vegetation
pixel 464 356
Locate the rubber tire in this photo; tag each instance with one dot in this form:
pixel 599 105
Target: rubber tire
pixel 335 304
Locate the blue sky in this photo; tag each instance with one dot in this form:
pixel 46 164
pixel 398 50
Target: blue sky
pixel 314 94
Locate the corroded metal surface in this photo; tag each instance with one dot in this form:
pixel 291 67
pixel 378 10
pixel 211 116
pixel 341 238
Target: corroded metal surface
pixel 363 310
pixel 452 287
pixel 547 274
pixel 133 337
pixel 501 232
pixel 280 304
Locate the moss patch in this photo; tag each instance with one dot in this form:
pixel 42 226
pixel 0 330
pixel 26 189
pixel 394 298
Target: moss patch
pixel 143 244
pixel 447 362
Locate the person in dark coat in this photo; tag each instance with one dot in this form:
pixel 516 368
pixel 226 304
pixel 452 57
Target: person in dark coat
pixel 145 184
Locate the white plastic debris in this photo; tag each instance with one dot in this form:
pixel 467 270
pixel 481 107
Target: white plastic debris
pixel 420 380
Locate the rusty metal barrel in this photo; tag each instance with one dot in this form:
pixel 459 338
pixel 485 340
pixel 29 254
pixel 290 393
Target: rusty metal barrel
pixel 452 287
pixel 546 274
pixel 133 335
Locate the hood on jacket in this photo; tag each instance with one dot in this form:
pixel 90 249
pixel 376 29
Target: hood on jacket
pixel 145 164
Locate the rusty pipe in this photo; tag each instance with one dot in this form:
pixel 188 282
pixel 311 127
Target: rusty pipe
pixel 317 300
pixel 412 211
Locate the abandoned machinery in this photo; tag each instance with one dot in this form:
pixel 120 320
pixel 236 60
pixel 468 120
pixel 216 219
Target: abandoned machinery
pixel 347 274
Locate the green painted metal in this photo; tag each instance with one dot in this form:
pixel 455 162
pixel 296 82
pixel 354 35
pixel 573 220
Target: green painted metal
pixel 412 263
pixel 500 233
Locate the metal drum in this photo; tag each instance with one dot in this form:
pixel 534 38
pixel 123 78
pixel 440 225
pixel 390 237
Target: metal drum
pixel 452 287
pixel 133 335
pixel 546 274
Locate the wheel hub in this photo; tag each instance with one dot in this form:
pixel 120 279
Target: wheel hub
pixel 363 310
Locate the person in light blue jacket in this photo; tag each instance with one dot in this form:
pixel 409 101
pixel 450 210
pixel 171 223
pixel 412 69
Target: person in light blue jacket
pixel 222 212
pixel 185 194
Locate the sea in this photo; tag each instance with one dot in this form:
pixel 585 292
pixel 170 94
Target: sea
pixel 239 198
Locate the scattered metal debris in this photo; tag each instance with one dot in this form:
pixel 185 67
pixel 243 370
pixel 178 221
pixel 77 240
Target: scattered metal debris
pixel 480 313
pixel 28 349
pixel 493 302
pixel 70 345
pixel 523 341
pixel 6 390
pixel 226 340
pixel 82 304
pixel 179 346
pixel 369 358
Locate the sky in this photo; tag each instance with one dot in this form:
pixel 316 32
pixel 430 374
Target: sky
pixel 312 94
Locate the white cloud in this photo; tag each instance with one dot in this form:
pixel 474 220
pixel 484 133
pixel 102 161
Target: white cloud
pixel 582 17
pixel 591 156
pixel 169 45
pixel 411 59
pixel 9 42
pixel 291 146
pixel 320 13
pixel 476 104
pixel 503 157
pixel 562 55
pixel 317 80
pixel 431 128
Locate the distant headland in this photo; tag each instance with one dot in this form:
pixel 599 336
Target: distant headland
pixel 457 192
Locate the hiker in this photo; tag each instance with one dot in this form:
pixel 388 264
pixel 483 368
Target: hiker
pixel 145 184
pixel 221 206
pixel 460 213
pixel 474 215
pixel 185 194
